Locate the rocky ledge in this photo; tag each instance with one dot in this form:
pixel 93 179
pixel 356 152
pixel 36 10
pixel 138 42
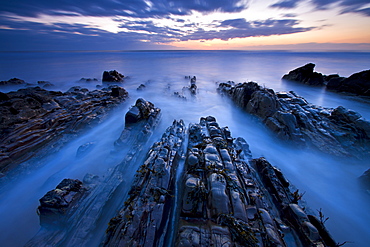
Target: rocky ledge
pixel 222 198
pixel 358 83
pixel 338 131
pixel 32 117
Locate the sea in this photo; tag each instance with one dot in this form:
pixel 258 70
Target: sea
pixel 329 184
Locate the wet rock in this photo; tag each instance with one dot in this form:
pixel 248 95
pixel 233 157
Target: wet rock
pixel 118 92
pixel 13 81
pixel 55 204
pixel 306 75
pixel 365 180
pixel 32 117
pixel 357 83
pixel 338 131
pixel 144 218
pixel 142 110
pixel 112 76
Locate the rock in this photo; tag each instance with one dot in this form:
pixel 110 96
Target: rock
pixel 88 80
pixel 141 87
pixel 338 131
pixel 365 180
pixel 358 83
pixel 55 203
pixel 13 81
pixel 33 117
pixel 87 212
pixel 112 76
pixel 143 115
pixel 144 218
pixel 118 92
pixel 140 111
pixel 305 75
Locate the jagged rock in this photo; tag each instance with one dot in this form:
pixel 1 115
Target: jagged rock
pixel 140 111
pixel 32 117
pixel 87 212
pixel 305 75
pixel 358 83
pixel 144 218
pixel 338 131
pixel 143 115
pixel 112 76
pixel 13 81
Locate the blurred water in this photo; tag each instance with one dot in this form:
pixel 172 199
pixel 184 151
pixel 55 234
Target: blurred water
pixel 329 183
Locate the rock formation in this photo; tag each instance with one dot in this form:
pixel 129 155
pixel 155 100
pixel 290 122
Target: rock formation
pixel 32 117
pixel 145 217
pixel 306 75
pixel 222 202
pixel 358 83
pixel 338 131
pixel 81 209
pixel 112 76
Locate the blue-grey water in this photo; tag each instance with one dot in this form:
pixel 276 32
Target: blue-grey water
pixel 328 182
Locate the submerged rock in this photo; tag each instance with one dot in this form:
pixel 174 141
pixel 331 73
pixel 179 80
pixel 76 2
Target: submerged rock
pixel 112 76
pixel 32 117
pixel 365 180
pixel 338 131
pixel 13 81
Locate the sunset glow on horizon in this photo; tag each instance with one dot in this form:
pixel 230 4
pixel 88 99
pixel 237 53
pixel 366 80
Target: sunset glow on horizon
pixel 154 24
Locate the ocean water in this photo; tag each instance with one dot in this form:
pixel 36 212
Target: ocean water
pixel 329 183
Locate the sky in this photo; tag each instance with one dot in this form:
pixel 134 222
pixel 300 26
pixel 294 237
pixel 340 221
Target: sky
pixel 300 25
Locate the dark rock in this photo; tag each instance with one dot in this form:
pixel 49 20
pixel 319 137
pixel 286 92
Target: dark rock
pixel 33 117
pixel 141 87
pixel 358 83
pixel 88 80
pixel 112 76
pixel 140 111
pixel 118 92
pixel 305 75
pixel 55 203
pixel 144 218
pixel 337 131
pixel 13 81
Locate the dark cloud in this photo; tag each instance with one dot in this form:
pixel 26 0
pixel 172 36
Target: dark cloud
pixel 241 28
pixel 348 6
pixel 137 8
pixel 287 4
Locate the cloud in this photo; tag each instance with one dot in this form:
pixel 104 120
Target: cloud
pixel 347 6
pixel 286 4
pixel 241 28
pixel 137 8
